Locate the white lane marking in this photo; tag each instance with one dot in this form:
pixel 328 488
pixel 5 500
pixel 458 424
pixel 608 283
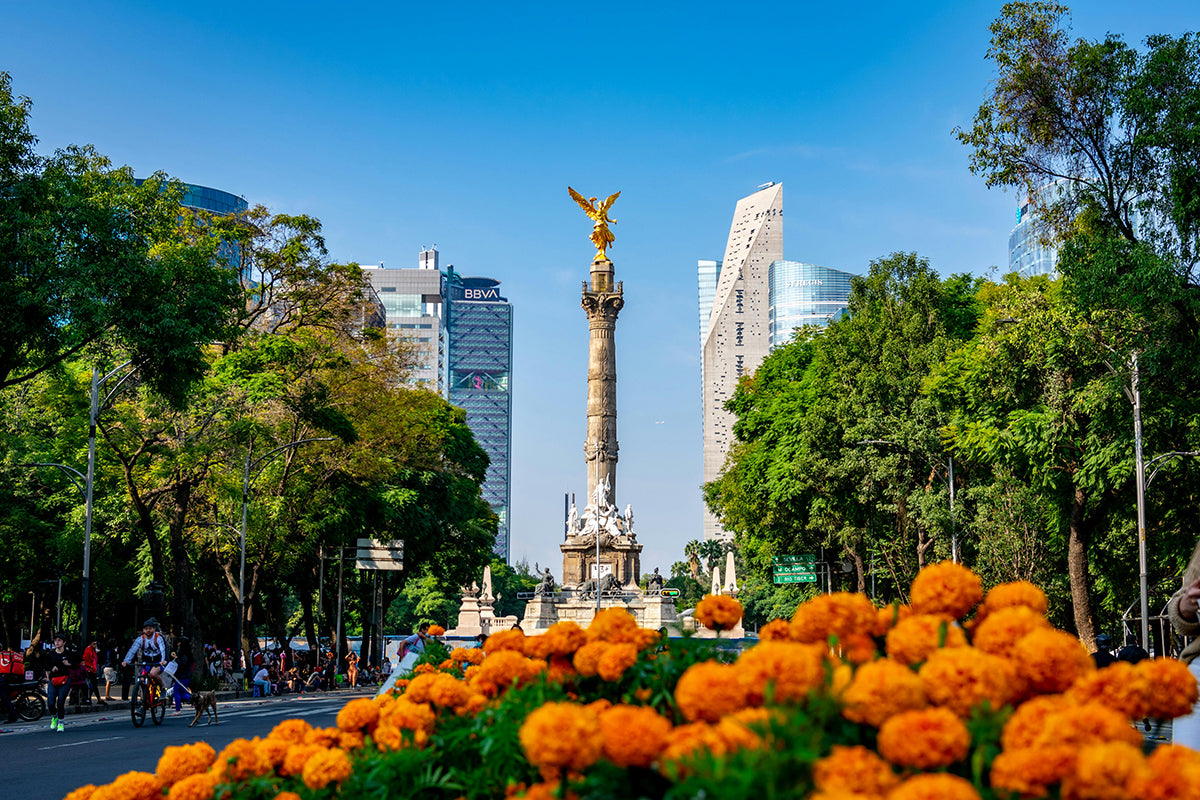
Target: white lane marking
pixel 85 741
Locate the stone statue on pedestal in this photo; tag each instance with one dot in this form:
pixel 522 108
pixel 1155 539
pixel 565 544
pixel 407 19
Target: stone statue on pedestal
pixel 547 585
pixel 655 582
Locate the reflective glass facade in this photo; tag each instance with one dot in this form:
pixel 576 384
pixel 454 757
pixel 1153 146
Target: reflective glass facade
pixel 708 273
pixel 479 325
pixel 412 304
pixel 804 294
pixel 1026 253
pixel 214 200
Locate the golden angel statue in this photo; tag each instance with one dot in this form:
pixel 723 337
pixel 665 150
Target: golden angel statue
pixel 601 236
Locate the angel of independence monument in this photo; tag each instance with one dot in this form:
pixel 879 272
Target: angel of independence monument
pixel 601 554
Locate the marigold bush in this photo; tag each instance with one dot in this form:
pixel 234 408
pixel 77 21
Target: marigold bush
pixel 843 701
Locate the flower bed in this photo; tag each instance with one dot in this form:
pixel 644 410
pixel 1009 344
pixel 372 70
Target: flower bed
pixel 949 698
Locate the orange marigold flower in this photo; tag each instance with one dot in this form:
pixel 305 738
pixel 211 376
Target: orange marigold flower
pixel 587 658
pixel 436 630
pixel 880 690
pixel 777 630
pixel 560 736
pixel 475 704
pixel 471 671
pixel 634 736
pixel 177 763
pixel 888 617
pixel 709 690
pixel 915 637
pixel 287 796
pixel 1000 631
pixel 459 655
pixel 82 793
pixel 737 734
pixel 351 740
pixel 1170 687
pixel 133 786
pixel 326 737
pixel 946 588
pixel 938 786
pixel 643 638
pixel 537 646
pixel 719 612
pixel 194 787
pixel 273 751
pixel 612 625
pixel 1030 771
pixel 838 794
pixel 854 769
pixel 1090 723
pixel 1017 593
pixel 1172 772
pixel 685 740
pixel 239 761
pixel 960 678
pixel 787 671
pixel 475 656
pixel 449 692
pixel 548 790
pixel 615 661
pixel 838 614
pixel 291 730
pixel 1028 719
pixel 511 639
pixel 326 767
pixel 560 669
pixel 1051 660
pixel 1104 771
pixel 359 714
pixel 858 648
pixel 409 715
pixel 927 739
pixel 418 689
pixel 447 665
pixel 1117 686
pixel 425 669
pixel 388 737
pixel 501 670
pixel 565 637
pixel 297 756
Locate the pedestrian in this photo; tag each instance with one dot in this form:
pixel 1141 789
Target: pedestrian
pixel 91 655
pixel 110 668
pixel 352 669
pixel 1103 655
pixel 262 681
pixel 416 642
pixel 183 672
pixel 57 663
pixel 1181 610
pixel 1132 652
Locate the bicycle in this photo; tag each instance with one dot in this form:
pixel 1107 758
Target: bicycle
pixel 147 695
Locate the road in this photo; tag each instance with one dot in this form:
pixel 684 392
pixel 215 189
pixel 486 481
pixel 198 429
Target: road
pixel 41 764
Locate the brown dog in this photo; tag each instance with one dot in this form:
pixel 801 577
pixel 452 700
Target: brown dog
pixel 205 701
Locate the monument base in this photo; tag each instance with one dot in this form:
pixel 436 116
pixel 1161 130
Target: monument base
pixel 654 613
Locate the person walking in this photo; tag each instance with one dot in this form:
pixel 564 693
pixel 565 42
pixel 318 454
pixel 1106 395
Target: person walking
pixel 57 664
pixel 91 655
pixel 183 672
pixel 352 669
pixel 110 669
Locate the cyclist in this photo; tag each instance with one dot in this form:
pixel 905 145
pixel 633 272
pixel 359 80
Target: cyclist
pixel 151 647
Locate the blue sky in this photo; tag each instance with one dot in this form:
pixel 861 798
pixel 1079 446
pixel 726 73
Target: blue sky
pixel 405 125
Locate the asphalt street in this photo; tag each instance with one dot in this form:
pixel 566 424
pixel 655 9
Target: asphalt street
pixel 40 764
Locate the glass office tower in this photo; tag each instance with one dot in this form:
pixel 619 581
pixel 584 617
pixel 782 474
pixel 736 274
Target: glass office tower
pixel 804 294
pixel 479 326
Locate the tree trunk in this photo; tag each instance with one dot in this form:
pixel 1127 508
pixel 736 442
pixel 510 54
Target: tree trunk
pixel 181 565
pixel 859 569
pixel 1077 571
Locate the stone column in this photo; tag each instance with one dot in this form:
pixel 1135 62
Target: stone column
pixel 602 302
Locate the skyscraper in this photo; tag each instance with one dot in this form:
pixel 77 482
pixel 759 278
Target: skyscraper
pixel 479 366
pixel 750 303
pixel 737 336
pixel 1026 252
pixel 412 301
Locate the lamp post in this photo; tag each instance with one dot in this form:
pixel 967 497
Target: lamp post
pixel 949 486
pixel 246 481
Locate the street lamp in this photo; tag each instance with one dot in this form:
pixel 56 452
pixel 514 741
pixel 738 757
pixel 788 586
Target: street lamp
pixel 949 486
pixel 246 480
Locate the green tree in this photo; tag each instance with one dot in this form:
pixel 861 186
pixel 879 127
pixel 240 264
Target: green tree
pixel 1113 129
pixel 88 256
pixel 802 474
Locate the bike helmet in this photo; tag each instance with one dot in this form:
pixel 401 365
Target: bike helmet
pixel 152 623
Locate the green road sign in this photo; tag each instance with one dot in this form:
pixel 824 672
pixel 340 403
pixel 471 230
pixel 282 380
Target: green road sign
pixel 796 577
pixel 781 561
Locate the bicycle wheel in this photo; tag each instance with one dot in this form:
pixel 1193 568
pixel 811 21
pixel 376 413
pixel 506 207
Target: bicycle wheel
pixel 30 705
pixel 137 705
pixel 158 704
